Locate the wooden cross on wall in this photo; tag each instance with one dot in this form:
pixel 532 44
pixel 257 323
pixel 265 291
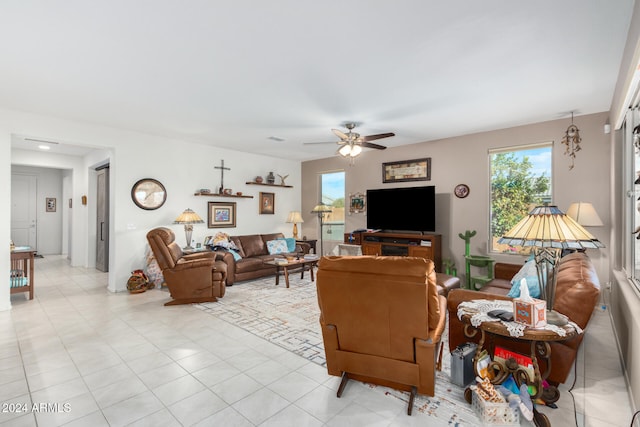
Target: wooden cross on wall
pixel 222 169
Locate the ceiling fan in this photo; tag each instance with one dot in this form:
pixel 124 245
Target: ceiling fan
pixel 352 142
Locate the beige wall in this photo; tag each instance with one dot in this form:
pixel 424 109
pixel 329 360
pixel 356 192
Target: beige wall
pixel 464 159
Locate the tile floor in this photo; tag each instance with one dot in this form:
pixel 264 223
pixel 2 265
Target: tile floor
pixel 117 359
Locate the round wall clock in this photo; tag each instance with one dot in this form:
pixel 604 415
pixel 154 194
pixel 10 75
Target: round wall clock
pixel 461 191
pixel 148 194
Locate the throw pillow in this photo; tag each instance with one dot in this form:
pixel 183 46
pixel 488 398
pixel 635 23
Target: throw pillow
pixel 291 243
pixel 528 272
pixel 277 247
pixel 236 255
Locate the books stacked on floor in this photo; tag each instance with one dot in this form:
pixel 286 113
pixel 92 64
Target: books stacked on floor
pixel 311 257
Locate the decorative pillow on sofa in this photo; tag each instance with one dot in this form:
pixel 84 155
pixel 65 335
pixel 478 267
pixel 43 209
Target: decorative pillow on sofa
pixel 291 243
pixel 277 247
pixel 528 272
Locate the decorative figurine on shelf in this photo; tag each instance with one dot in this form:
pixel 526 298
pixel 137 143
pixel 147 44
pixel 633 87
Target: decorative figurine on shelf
pixel 271 178
pixel 258 179
pixel 282 178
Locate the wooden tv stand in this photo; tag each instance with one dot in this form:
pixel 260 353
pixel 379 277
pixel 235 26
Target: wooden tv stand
pixel 404 244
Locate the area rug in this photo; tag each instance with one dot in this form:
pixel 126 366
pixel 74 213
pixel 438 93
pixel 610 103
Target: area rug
pixel 289 317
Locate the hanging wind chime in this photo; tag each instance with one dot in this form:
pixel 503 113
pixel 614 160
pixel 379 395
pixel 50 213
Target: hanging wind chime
pixel 572 140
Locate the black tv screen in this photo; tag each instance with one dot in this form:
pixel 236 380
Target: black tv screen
pixel 402 209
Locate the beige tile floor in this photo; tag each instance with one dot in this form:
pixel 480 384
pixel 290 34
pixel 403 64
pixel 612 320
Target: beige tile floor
pixel 118 359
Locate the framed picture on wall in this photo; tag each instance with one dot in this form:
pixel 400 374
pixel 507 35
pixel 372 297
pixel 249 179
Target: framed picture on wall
pixel 267 203
pixel 221 214
pixel 407 170
pixel 51 204
pixel 357 203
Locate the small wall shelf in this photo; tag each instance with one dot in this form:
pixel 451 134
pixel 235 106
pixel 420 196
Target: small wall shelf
pixel 268 185
pixel 223 195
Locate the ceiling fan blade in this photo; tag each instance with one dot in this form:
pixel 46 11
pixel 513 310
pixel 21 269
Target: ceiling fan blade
pixel 322 142
pixel 340 134
pixel 378 136
pixel 376 146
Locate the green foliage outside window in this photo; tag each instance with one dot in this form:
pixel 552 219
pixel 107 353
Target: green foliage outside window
pixel 516 185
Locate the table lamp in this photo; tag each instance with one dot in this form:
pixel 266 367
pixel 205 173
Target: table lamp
pixel 188 218
pixel 321 209
pixel 584 214
pixel 295 217
pixel 548 231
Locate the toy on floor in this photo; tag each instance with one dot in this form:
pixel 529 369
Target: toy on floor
pixel 520 399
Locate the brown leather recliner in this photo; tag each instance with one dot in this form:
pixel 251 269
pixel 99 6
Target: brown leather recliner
pixel 382 320
pixel 193 278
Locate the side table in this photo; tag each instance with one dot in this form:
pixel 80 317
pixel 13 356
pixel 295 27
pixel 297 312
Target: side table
pixel 311 242
pixel 539 340
pixel 22 271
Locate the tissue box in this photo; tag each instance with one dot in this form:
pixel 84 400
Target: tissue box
pixel 532 313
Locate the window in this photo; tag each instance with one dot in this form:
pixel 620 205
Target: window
pixel 332 194
pixel 520 180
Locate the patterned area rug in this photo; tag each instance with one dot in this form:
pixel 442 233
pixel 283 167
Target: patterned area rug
pixel 289 318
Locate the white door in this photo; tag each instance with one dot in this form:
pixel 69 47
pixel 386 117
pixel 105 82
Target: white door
pixel 23 210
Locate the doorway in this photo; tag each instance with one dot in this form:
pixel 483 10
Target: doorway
pixel 102 218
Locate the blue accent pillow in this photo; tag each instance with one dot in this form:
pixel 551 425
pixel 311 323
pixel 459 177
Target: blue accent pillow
pixel 278 246
pixel 235 254
pixel 528 272
pixel 291 243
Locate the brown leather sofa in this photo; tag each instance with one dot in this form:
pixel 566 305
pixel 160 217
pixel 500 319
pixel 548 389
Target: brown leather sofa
pixel 382 320
pixel 253 250
pixel 577 292
pixel 198 277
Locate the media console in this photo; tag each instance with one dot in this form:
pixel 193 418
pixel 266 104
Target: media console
pixel 404 244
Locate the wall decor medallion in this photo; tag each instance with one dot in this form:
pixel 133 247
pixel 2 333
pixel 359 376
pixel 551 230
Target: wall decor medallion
pixel 148 194
pixel 221 214
pixel 357 203
pixel 461 191
pixel 267 203
pixel 407 170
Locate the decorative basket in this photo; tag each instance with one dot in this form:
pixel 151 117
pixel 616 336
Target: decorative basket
pixel 138 282
pixel 494 414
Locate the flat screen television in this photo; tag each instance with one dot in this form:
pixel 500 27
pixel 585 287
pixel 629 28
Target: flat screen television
pixel 402 209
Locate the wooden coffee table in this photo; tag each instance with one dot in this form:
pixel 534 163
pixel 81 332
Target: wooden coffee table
pixel 292 265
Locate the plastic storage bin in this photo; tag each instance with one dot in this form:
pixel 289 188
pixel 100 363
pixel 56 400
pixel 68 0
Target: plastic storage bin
pixel 495 414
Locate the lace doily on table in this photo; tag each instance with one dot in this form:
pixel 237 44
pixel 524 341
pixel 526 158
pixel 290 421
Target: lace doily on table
pixel 479 308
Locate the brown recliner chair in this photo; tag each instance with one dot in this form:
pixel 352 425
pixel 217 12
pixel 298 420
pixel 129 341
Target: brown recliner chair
pixel 198 277
pixel 382 320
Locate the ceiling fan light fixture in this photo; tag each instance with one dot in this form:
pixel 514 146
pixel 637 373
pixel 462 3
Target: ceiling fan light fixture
pixel 355 150
pixel 345 150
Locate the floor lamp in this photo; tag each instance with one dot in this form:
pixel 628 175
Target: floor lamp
pixel 548 231
pixel 321 209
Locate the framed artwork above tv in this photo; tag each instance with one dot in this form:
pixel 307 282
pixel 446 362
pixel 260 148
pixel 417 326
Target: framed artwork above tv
pixel 407 170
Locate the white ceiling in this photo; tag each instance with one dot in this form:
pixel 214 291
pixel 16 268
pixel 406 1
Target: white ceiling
pixel 235 73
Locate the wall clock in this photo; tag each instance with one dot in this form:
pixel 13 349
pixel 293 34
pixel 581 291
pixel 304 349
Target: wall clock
pixel 461 191
pixel 148 194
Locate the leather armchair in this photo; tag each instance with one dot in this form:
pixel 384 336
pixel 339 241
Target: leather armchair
pixel 193 278
pixel 382 320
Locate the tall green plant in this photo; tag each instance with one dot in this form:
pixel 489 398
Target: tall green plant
pixel 514 187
